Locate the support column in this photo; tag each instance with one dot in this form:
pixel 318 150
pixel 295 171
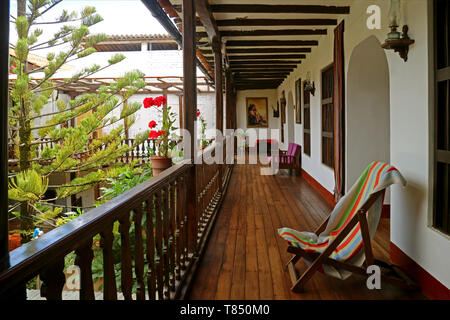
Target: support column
pixel 190 111
pixel 4 71
pixel 219 99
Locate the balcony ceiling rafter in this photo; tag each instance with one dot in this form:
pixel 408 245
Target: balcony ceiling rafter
pixel 267 37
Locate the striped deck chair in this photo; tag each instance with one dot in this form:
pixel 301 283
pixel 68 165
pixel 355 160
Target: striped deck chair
pixel 341 246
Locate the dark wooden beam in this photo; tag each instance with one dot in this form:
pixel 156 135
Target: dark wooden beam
pixel 190 108
pixel 256 87
pixel 247 80
pixel 271 43
pixel 279 62
pixel 207 19
pixel 284 32
pixel 262 8
pixel 260 75
pixel 239 22
pixel 4 73
pixel 267 72
pixel 230 103
pixel 269 50
pixel 218 73
pixel 266 57
pixel 257 82
pixel 263 67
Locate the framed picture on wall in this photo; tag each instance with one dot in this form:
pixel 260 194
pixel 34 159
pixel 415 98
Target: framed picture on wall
pixel 257 113
pixel 298 97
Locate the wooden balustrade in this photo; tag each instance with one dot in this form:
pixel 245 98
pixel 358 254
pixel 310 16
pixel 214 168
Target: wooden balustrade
pixel 155 259
pixel 139 151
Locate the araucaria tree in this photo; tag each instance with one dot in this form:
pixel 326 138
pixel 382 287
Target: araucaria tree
pixel 74 149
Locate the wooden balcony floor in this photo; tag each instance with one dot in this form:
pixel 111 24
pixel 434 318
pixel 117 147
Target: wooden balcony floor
pixel 245 257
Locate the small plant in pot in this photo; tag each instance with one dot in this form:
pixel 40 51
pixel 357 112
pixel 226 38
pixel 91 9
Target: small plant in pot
pixel 162 160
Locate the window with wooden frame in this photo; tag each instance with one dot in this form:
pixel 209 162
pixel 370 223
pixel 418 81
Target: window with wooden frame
pixel 441 216
pixel 306 122
pixel 328 116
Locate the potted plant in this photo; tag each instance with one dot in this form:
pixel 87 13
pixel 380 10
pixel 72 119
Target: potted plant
pixel 162 160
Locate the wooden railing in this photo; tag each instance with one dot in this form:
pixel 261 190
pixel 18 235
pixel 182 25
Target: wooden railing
pixel 139 152
pixel 156 258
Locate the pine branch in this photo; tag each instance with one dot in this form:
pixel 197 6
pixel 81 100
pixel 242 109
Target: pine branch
pixel 57 22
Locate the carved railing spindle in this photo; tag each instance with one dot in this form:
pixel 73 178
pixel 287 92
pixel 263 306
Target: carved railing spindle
pixel 139 254
pixel 158 246
pixel 83 260
pixel 150 253
pixel 165 216
pixel 126 269
pixel 172 228
pixel 53 279
pixel 109 277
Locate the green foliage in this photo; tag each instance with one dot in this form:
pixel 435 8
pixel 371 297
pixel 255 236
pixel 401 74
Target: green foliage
pixel 128 177
pixel 27 186
pixel 30 180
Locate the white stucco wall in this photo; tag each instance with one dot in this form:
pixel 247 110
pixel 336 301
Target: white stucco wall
pixel 411 127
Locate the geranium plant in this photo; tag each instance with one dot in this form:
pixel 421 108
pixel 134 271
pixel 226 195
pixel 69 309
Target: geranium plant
pixel 161 136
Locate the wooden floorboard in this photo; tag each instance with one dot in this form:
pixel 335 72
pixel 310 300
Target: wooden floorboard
pixel 245 258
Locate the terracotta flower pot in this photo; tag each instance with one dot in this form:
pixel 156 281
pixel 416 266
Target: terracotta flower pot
pixel 159 164
pixel 14 241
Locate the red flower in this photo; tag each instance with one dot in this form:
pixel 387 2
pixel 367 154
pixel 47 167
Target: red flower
pixel 198 113
pixel 155 134
pixel 148 102
pixel 158 102
pixel 152 124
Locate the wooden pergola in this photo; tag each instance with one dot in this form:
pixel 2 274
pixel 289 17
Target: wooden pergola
pixel 154 85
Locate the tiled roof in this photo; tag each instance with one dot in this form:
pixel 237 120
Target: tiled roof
pixel 138 37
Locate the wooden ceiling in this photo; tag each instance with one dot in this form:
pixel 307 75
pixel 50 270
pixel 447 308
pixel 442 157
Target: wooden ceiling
pixel 264 40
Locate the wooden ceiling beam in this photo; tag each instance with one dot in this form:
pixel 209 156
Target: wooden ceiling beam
pixel 271 43
pixel 269 50
pixel 263 8
pixel 207 19
pixel 263 67
pixel 267 56
pixel 282 32
pixel 235 63
pixel 268 70
pixel 239 22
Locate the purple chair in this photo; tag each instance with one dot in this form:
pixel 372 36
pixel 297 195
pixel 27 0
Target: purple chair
pixel 289 159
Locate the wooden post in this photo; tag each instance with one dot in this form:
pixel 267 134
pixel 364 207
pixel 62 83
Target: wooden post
pixel 180 112
pixel 4 71
pixel 219 98
pixel 229 100
pixel 190 112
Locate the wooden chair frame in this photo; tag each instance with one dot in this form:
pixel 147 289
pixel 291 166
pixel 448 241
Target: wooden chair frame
pixel 318 259
pixel 295 163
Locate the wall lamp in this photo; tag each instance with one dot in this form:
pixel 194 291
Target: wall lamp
pixel 399 42
pixel 309 85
